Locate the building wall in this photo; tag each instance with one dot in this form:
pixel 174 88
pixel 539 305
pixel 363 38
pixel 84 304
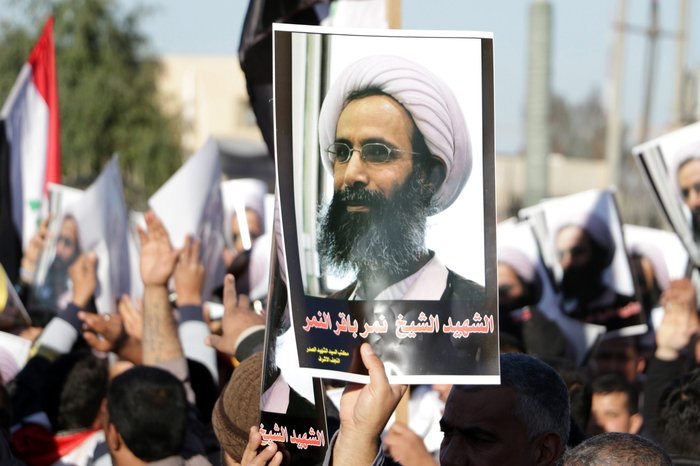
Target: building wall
pixel 209 94
pixel 566 176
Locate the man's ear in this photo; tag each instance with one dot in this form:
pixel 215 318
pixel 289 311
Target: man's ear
pixel 112 437
pixel 636 422
pixel 436 172
pixel 548 448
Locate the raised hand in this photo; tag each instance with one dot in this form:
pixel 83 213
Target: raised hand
pixel 83 274
pixel 238 316
pixel 31 254
pixel 269 456
pixel 407 447
pixel 157 254
pixel 189 274
pixel 102 332
pixel 132 317
pixel 364 411
pixel 680 320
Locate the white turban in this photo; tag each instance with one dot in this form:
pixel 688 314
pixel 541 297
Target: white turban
pixel 431 103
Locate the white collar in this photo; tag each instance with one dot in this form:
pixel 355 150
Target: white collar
pixel 426 284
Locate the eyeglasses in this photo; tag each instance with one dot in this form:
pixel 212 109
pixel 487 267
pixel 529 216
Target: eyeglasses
pixel 372 152
pixel 685 192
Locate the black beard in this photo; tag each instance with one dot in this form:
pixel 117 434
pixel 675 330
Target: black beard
pixel 581 281
pixel 382 244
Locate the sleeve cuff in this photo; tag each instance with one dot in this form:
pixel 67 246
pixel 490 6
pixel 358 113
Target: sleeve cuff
pixel 250 341
pixel 70 315
pixel 191 312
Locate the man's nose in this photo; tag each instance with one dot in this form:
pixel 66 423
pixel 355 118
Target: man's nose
pixel 356 171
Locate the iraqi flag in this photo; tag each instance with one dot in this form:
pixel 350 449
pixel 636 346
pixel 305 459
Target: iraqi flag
pixel 30 154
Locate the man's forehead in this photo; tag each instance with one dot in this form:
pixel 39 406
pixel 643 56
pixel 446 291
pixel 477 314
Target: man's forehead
pixel 688 173
pixel 471 403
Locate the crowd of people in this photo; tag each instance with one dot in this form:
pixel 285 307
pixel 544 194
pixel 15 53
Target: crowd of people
pixel 159 380
pixel 147 383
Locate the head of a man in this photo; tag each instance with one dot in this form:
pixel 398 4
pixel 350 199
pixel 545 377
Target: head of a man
pixel 679 416
pixel 146 416
pixel 618 355
pixel 614 406
pixel 523 421
pixel 376 220
pixel 67 248
pixel 75 387
pixel 394 139
pixel 584 250
pixel 688 178
pixel 616 448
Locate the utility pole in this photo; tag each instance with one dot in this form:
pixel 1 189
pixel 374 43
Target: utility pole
pixel 393 14
pixel 613 135
pixel 681 40
pixel 538 100
pixel 652 33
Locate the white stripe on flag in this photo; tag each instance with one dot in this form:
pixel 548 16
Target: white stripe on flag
pixel 26 116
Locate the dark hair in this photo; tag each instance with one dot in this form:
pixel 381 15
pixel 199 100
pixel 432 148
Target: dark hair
pixel 205 390
pixel 542 403
pixel 75 385
pixel 614 383
pixel 579 388
pixel 148 408
pixel 679 415
pixel 615 448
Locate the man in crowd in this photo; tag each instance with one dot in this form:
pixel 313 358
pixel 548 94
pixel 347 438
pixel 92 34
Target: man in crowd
pixel 617 448
pixel 614 406
pixel 394 138
pixel 134 435
pixel 523 421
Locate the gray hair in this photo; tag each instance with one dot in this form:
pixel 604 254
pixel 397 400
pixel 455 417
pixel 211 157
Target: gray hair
pixel 613 448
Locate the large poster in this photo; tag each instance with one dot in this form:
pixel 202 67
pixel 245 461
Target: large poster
pixel 671 166
pixel 385 165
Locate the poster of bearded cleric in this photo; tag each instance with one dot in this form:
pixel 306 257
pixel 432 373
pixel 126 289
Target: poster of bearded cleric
pixel 385 164
pixel 582 243
pixel 671 166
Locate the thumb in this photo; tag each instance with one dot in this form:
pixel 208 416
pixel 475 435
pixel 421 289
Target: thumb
pixel 374 365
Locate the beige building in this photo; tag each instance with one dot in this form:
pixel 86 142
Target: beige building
pixel 566 176
pixel 209 94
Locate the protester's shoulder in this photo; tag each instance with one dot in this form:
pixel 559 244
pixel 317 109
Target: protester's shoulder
pixel 459 288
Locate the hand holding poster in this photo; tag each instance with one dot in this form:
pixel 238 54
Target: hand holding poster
pixel 375 187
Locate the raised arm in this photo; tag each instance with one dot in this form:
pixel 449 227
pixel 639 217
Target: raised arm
pixel 160 341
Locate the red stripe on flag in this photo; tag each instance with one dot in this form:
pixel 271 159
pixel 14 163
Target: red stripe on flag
pixel 43 62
